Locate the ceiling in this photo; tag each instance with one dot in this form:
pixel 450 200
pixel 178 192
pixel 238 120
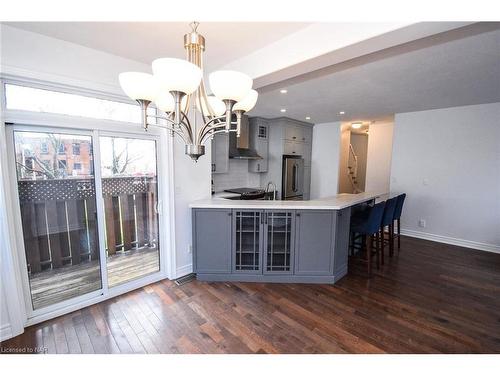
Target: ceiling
pixel 146 41
pixel 458 72
pixel 455 70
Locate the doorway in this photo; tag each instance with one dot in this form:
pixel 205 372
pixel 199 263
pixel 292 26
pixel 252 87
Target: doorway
pixel 88 208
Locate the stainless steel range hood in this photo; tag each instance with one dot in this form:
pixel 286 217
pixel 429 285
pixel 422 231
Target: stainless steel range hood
pixel 239 147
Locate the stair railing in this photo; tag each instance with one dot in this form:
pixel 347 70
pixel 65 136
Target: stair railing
pixel 352 169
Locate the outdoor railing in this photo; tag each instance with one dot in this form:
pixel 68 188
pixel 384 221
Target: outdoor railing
pixel 59 219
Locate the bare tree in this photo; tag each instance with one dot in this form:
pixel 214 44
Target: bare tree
pixel 121 160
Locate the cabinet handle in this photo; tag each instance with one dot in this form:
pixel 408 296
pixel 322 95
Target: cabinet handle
pixel 265 219
pixel 297 214
pixel 294 137
pixel 261 218
pixel 258 167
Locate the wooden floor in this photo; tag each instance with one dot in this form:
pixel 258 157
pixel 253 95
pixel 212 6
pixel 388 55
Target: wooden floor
pixel 432 298
pixel 52 286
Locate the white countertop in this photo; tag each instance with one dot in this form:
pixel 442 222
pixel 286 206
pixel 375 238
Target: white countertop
pixel 336 202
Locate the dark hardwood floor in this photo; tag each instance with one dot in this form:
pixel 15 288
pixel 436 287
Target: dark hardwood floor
pixel 432 298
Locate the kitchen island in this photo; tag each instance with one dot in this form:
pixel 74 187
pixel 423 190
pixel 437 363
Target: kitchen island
pixel 273 241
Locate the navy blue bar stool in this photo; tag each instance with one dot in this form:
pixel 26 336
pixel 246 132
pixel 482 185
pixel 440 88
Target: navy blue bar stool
pixel 368 226
pixel 397 217
pixel 388 221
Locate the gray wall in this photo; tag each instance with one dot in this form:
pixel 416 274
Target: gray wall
pixel 448 162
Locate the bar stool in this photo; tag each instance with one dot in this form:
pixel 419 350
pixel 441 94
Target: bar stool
pixel 397 217
pixel 367 226
pixel 387 221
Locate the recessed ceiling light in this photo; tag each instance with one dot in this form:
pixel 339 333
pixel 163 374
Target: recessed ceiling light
pixel 341 113
pixel 283 91
pixel 283 110
pixel 356 125
pixel 308 118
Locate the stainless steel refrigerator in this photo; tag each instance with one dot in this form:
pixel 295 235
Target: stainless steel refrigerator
pixel 293 178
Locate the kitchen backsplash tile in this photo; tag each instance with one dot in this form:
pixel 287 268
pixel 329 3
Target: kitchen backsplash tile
pixel 238 176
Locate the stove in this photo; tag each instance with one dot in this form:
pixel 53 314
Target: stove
pixel 247 193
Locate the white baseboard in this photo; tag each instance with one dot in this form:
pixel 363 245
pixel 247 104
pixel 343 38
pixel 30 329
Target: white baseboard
pixel 5 332
pixel 184 270
pixel 451 240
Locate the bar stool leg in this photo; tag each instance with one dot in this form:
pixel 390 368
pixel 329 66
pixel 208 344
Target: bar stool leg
pixel 369 253
pixel 399 233
pixel 391 239
pixel 382 245
pixel 377 251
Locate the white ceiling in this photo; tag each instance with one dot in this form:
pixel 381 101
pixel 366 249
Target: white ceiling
pixel 146 41
pixel 450 71
pixel 454 73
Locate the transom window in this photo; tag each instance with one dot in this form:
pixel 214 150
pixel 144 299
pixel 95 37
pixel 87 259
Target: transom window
pixel 41 100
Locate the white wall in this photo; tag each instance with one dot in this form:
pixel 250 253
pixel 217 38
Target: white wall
pixel 43 58
pixel 325 159
pixel 448 163
pixel 192 182
pixel 379 155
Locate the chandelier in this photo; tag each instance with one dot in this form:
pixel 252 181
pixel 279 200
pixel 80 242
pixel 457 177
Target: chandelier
pixel 177 89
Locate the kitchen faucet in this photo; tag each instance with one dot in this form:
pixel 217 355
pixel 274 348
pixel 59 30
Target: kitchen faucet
pixel 273 185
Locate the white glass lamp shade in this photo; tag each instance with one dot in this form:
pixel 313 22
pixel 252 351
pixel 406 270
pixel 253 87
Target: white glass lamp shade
pixel 139 85
pixel 230 85
pixel 218 107
pixel 177 75
pixel 165 102
pixel 247 103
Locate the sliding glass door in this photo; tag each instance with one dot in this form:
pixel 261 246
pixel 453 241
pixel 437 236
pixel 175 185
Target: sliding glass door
pixel 57 199
pixel 89 216
pixel 130 191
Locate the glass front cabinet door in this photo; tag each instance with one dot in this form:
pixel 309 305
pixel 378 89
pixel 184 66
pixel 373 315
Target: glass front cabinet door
pixel 278 242
pixel 263 241
pixel 247 241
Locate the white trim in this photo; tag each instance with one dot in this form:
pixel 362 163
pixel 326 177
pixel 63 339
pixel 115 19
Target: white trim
pixel 9 263
pixel 184 270
pixel 5 332
pixel 451 240
pixel 20 74
pixel 170 186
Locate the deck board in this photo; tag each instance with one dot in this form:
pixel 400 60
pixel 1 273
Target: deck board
pixel 59 284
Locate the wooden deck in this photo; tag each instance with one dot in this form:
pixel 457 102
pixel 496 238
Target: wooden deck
pixel 59 284
pixel 431 298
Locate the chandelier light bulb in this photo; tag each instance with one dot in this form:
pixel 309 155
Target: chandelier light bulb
pixel 139 86
pixel 177 75
pixel 165 102
pixel 230 85
pixel 248 102
pixel 218 107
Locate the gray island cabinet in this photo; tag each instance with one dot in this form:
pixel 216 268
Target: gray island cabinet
pixel 273 241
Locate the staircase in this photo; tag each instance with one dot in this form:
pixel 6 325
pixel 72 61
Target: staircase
pixel 352 170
